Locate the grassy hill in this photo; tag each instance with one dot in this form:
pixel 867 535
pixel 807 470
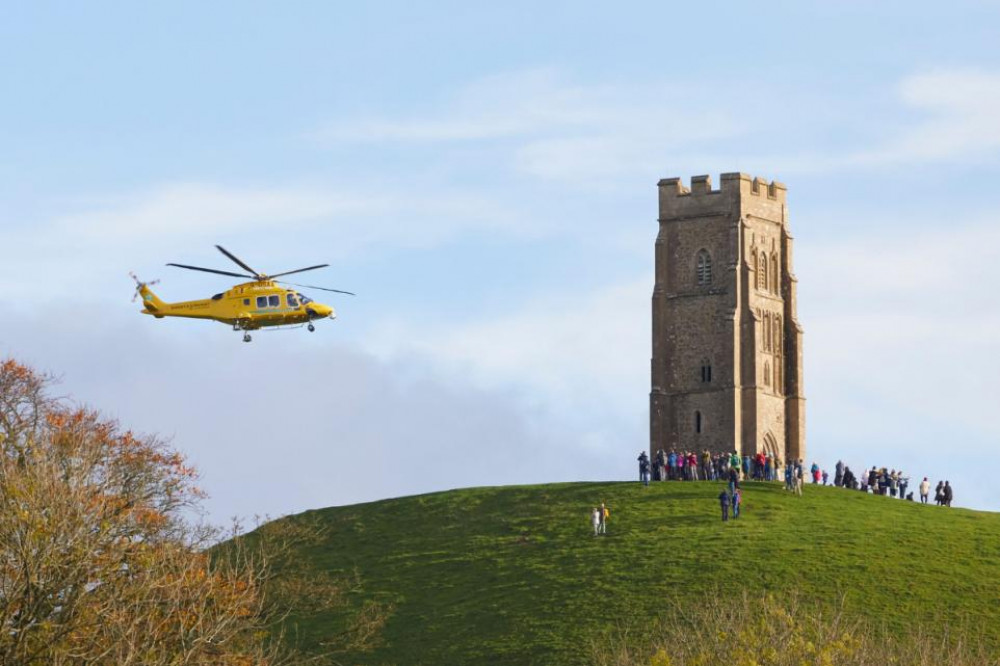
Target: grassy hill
pixel 513 575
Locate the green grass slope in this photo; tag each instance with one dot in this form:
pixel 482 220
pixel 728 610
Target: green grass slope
pixel 513 575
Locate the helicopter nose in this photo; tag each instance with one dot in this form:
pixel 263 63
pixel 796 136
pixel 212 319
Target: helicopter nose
pixel 321 311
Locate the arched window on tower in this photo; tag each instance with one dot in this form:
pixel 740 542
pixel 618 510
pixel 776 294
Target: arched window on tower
pixel 706 370
pixel 777 376
pixel 767 373
pixel 762 272
pixel 704 268
pixel 697 422
pixel 775 287
pixel 767 331
pixel 777 334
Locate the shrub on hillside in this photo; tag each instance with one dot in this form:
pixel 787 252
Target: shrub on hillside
pixel 767 631
pixel 98 564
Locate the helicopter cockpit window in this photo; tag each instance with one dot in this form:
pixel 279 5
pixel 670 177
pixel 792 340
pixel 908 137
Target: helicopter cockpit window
pixel 274 301
pixel 292 303
pixel 262 301
pixel 304 300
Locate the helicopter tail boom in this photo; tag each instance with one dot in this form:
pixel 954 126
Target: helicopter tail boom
pixel 151 301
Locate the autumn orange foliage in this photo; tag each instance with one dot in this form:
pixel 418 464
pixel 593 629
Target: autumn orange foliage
pixel 98 563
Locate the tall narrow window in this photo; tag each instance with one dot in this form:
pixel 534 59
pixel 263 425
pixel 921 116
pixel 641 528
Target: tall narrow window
pixel 697 422
pixel 767 373
pixel 777 377
pixel 704 269
pixel 775 287
pixel 762 272
pixel 777 335
pixel 767 331
pixel 706 370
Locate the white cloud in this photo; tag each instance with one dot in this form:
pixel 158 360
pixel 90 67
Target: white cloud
pixel 513 104
pixel 585 355
pixel 558 129
pixel 962 108
pixel 205 210
pixel 172 221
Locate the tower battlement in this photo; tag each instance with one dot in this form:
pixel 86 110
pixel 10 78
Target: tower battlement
pixel 674 195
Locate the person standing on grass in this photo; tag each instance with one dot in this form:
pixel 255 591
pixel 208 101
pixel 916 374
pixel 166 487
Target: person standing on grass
pixel 605 514
pixel 946 492
pixel 737 502
pixel 925 490
pixel 838 474
pixel 904 482
pixel 643 468
pixel 595 520
pixel 939 493
pixel 849 480
pixel 825 476
pixel 799 479
pixel 724 504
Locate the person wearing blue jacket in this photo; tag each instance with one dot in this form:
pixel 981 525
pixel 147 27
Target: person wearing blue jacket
pixel 724 501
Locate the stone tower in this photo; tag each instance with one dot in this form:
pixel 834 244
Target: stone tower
pixel 727 345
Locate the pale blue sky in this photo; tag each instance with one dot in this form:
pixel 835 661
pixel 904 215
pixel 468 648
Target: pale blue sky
pixel 483 175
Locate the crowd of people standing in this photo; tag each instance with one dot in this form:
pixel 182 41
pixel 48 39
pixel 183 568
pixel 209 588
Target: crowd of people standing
pixel 706 466
pixel 731 467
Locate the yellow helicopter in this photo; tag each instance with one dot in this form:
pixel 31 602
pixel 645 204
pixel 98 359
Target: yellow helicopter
pixel 247 306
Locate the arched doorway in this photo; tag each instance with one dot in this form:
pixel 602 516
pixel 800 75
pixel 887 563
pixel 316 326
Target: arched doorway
pixel 771 446
pixel 771 472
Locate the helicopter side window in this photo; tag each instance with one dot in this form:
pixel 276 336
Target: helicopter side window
pixel 261 302
pixel 292 303
pixel 304 300
pixel 274 301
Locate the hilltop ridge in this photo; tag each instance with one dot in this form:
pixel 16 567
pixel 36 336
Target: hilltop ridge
pixel 514 574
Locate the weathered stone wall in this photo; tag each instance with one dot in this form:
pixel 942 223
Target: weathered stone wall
pixel 736 317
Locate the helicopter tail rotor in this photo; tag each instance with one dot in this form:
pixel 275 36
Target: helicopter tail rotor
pixel 139 285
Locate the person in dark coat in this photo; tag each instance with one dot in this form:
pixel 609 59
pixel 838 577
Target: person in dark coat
pixel 643 468
pixel 848 478
pixel 946 493
pixel 939 493
pixel 724 502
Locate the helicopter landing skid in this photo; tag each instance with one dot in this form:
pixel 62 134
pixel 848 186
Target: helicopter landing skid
pixel 239 326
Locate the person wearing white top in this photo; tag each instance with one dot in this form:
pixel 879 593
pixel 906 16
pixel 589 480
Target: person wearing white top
pixel 925 490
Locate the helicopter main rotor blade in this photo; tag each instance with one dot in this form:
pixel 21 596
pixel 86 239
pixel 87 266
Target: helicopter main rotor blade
pixel 235 259
pixel 299 270
pixel 310 286
pixel 212 270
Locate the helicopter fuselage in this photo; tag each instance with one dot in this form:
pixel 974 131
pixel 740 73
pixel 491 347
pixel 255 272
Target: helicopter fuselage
pixel 247 306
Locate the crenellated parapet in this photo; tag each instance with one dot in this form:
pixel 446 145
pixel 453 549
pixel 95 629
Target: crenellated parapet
pixel 678 200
